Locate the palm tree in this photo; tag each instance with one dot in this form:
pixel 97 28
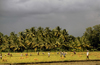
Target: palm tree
pixel 85 43
pixel 36 44
pixel 6 43
pixel 61 43
pixel 1 39
pixel 14 42
pixel 22 40
pixel 27 39
pixel 58 31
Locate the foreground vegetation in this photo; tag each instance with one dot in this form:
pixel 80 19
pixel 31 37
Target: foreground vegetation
pixel 17 58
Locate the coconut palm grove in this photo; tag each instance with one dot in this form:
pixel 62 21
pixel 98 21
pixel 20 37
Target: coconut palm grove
pixel 46 39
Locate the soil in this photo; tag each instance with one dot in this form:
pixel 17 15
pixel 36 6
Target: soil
pixel 72 63
pixel 63 63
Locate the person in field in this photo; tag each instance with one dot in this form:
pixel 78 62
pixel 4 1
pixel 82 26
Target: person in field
pixel 57 52
pixel 5 54
pixel 60 54
pixel 26 54
pixel 43 53
pixel 30 54
pixel 87 55
pixel 48 54
pixel 21 54
pixel 64 54
pixel 8 53
pixel 74 52
pixel 37 53
pixel 1 55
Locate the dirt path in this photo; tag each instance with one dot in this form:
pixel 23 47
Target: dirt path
pixel 71 63
pixel 64 63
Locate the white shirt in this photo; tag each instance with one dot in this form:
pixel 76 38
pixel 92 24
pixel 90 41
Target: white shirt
pixel 48 53
pixel 87 53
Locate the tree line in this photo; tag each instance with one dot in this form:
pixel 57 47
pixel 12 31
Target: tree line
pixel 46 39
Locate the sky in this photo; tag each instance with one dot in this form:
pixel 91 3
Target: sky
pixel 72 15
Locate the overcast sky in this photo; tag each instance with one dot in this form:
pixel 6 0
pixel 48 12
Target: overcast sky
pixel 72 15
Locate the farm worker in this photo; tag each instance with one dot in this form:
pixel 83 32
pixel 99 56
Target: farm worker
pixel 1 56
pixel 30 54
pixel 57 52
pixel 60 54
pixel 26 54
pixel 43 53
pixel 8 53
pixel 63 54
pixel 37 53
pixel 21 54
pixel 74 52
pixel 87 54
pixel 48 54
pixel 5 54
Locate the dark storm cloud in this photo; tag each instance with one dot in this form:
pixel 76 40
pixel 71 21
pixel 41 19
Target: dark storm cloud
pixel 72 15
pixel 25 7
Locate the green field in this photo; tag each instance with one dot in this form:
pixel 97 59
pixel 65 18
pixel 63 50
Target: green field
pixel 16 57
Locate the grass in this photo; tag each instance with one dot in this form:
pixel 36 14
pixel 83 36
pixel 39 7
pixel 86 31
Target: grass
pixel 16 57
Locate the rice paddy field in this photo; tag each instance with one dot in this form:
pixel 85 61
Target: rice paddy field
pixel 17 58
